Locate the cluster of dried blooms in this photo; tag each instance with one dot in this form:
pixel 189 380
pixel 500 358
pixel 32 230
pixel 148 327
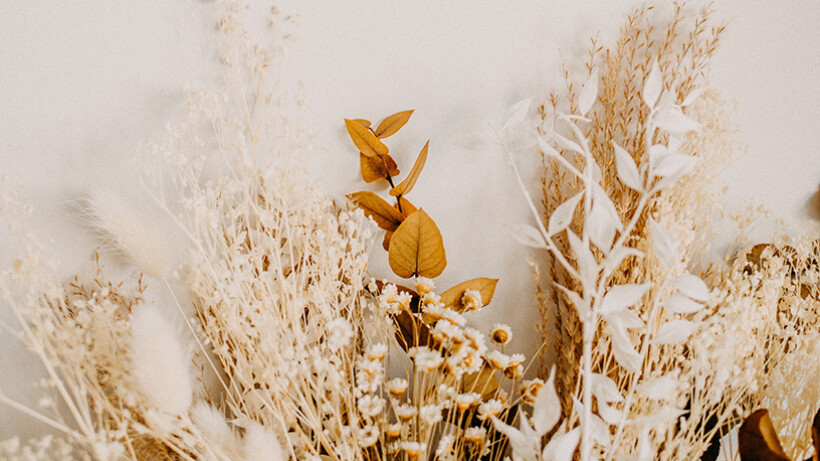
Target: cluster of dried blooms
pixel 653 361
pixel 291 350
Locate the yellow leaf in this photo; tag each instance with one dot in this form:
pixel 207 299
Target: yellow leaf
pixel 387 217
pixel 407 208
pixel 757 439
pixel 407 185
pixel 390 164
pixel 452 297
pixel 392 124
pixel 365 140
pixel 377 167
pixel 386 242
pixel 417 248
pixel 363 122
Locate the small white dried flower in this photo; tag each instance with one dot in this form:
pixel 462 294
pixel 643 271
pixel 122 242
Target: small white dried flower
pixel 340 332
pixel 424 285
pixel 430 414
pixel 425 358
pixel 434 311
pixel 465 401
pixel 514 371
pixel 517 359
pixel 471 300
pixel 448 333
pixel 453 317
pixel 498 360
pixel 403 301
pixel 394 431
pixel 414 449
pixel 501 334
pixel 406 412
pixel 370 405
pixel 377 352
pixel 397 386
pixel 446 393
pixel 475 339
pixel 445 446
pixel 489 409
pixel 368 436
pixel 431 299
pixel 475 434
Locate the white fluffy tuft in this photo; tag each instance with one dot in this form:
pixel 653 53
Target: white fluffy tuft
pixel 215 429
pixel 262 445
pixel 161 365
pixel 130 232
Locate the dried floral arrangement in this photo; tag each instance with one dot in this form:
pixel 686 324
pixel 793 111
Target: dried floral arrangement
pixel 291 349
pixel 657 357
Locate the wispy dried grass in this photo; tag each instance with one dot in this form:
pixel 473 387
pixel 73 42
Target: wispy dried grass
pixel 715 371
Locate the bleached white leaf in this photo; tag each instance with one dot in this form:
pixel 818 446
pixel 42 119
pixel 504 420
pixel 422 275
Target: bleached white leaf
pixel 627 169
pixel 623 296
pixel 518 112
pixel 609 414
pixel 665 163
pixel 674 332
pixel 670 118
pixel 614 259
pixel 645 451
pixel 546 410
pixel 595 172
pixel 665 414
pixel 681 304
pixel 602 220
pixel 674 143
pixel 529 236
pixel 566 143
pixel 562 216
pixel 604 388
pixel 625 319
pixel 692 97
pixel 660 388
pixel 662 243
pixel 652 85
pixel 625 354
pixel 589 93
pixel 523 448
pixel 547 148
pixel 580 305
pixel 600 430
pixel 692 286
pixel 562 447
pixel 526 428
pixel 587 265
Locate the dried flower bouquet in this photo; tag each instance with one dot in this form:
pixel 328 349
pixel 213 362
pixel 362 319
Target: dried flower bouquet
pixel 290 349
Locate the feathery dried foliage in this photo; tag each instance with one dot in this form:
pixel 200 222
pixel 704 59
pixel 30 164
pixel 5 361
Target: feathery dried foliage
pixel 649 365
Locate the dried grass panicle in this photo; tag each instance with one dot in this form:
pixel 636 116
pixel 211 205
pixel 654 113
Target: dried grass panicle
pixel 682 47
pixel 710 375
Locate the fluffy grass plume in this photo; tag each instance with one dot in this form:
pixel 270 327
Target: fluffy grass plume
pixel 128 231
pixel 160 362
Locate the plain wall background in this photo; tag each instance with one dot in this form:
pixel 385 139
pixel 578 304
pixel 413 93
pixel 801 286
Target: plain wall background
pixel 83 84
